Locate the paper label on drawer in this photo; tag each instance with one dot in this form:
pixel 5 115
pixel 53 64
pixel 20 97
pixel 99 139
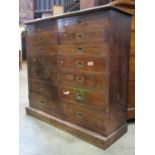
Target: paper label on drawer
pixel 90 63
pixel 66 92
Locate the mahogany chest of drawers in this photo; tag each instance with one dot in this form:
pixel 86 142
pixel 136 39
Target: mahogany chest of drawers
pixel 78 65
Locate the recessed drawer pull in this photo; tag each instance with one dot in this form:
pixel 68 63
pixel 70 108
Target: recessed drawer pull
pixel 79 115
pixel 80 21
pixel 79 36
pixel 80 79
pixel 80 64
pixel 40 39
pixel 79 49
pixel 79 98
pixel 42 102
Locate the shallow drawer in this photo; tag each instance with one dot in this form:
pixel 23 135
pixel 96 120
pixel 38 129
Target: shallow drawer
pixel 42 38
pixel 42 50
pixel 82 96
pixel 81 63
pixel 84 22
pixel 87 118
pixel 94 36
pixel 82 49
pixel 86 80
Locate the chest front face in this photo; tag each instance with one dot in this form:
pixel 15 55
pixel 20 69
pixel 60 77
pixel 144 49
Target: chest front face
pixel 74 69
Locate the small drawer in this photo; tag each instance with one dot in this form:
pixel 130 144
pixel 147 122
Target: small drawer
pixel 86 80
pixel 42 50
pixel 86 97
pixel 79 63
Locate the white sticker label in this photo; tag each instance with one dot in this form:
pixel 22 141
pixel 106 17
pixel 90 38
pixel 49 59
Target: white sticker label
pixel 66 92
pixel 90 63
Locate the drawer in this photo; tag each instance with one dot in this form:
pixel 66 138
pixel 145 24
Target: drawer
pixel 131 94
pixel 85 97
pixel 43 74
pixel 86 80
pixel 42 50
pixel 42 61
pixel 94 36
pixel 84 22
pixel 132 44
pixel 82 49
pixel 42 38
pixel 87 118
pixel 81 63
pixel 44 88
pixel 132 68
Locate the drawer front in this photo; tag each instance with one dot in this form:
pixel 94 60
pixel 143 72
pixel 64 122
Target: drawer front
pixel 131 94
pixel 132 68
pixel 42 50
pixel 42 38
pixel 84 22
pixel 94 36
pixel 43 74
pixel 42 61
pixel 86 97
pixel 44 88
pixel 80 63
pixel 132 44
pixel 82 49
pixel 87 118
pixel 75 79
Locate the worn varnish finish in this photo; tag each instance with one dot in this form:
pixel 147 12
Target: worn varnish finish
pixel 78 78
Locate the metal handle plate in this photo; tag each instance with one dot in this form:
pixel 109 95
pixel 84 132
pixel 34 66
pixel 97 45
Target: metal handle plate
pixel 79 36
pixel 80 64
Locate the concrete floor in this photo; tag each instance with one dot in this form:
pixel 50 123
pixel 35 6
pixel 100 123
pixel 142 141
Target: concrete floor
pixel 39 138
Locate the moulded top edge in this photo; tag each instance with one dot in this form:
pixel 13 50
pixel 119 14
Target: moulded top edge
pixel 80 12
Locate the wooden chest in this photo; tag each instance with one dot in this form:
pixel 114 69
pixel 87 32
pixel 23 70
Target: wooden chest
pixel 78 65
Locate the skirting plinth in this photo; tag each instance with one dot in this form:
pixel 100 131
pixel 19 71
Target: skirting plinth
pixel 87 135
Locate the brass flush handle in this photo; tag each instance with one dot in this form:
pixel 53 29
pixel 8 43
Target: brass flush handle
pixel 80 36
pixel 80 98
pixel 80 79
pixel 42 101
pixel 80 64
pixel 79 21
pixel 79 49
pixel 79 115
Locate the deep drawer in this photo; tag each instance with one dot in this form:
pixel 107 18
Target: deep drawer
pixel 87 118
pixel 81 63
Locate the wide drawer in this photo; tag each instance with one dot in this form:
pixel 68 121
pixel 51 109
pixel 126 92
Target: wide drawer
pixel 84 22
pixel 42 50
pixel 83 49
pixel 41 38
pixel 87 118
pixel 86 97
pixel 81 63
pixel 94 36
pixel 86 80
